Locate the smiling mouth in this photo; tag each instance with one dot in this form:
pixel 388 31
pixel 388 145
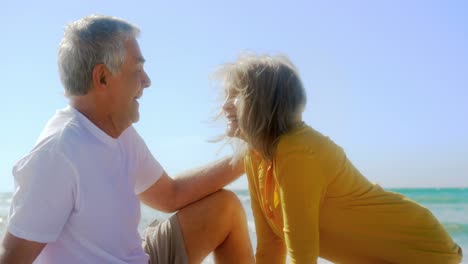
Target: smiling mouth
pixel 135 101
pixel 136 98
pixel 232 119
pixel 140 94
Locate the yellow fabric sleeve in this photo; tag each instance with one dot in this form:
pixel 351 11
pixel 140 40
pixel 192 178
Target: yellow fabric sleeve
pixel 301 181
pixel 270 248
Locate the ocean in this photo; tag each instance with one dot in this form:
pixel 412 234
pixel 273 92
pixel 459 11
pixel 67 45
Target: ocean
pixel 449 205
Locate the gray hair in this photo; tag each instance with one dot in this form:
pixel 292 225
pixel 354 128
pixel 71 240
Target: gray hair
pixel 271 96
pixel 89 41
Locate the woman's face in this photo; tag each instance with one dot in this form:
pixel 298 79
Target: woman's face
pixel 230 111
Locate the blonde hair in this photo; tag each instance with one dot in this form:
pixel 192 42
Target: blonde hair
pixel 271 97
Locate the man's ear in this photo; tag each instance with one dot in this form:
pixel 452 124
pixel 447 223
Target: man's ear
pixel 100 76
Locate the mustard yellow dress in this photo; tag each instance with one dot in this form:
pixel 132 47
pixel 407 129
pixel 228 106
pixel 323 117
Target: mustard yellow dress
pixel 311 202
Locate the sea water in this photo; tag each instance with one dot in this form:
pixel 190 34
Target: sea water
pixel 449 205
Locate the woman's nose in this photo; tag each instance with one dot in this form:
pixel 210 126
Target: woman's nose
pixel 228 104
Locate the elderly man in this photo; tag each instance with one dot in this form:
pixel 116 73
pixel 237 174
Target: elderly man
pixel 78 192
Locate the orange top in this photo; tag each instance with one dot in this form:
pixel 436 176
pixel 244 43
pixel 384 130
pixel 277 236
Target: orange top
pixel 311 201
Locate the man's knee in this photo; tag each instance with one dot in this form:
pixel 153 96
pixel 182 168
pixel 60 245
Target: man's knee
pixel 230 204
pixel 222 201
pixel 218 210
pixel 227 198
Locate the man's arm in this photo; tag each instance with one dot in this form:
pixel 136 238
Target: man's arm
pixel 169 195
pixel 15 250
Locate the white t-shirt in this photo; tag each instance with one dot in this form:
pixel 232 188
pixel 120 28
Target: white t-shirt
pixel 77 191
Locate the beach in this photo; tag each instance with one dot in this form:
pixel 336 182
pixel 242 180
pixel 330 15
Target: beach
pixel 449 205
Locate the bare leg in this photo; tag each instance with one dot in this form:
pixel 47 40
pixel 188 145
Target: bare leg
pixel 216 223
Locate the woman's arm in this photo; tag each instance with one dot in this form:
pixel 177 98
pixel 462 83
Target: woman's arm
pixel 301 183
pixel 270 248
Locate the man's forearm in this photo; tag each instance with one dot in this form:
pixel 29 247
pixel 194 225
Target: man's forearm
pixel 15 250
pixel 2 254
pixel 197 183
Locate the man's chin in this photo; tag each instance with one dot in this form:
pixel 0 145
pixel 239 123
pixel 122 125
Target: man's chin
pixel 135 118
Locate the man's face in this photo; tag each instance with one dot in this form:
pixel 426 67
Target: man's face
pixel 126 87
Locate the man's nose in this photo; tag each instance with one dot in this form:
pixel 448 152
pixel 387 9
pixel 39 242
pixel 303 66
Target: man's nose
pixel 146 82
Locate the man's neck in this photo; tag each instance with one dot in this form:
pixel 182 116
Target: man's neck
pixel 98 115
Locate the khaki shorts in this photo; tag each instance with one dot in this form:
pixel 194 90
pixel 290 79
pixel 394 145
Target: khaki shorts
pixel 164 243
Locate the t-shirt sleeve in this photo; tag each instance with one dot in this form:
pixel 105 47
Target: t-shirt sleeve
pixel 148 170
pixel 44 197
pixel 301 186
pixel 270 248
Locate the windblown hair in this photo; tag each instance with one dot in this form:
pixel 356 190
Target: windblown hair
pixel 90 41
pixel 271 97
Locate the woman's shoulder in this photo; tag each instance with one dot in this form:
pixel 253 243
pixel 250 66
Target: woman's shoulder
pixel 301 139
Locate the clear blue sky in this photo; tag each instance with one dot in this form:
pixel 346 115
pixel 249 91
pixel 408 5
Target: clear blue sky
pixel 387 80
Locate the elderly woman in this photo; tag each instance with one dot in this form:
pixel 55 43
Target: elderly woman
pixel 308 199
